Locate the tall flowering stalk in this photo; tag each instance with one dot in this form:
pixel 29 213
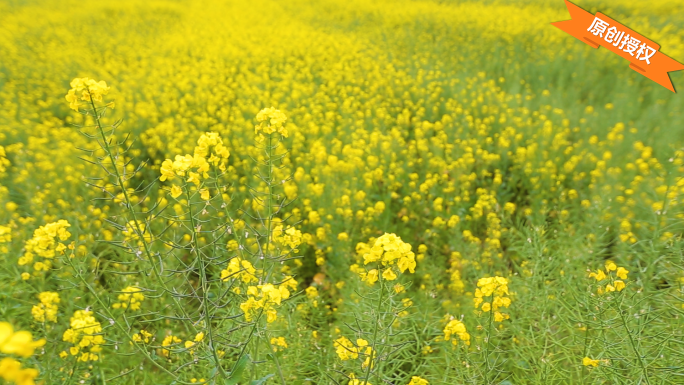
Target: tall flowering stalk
pixel 274 241
pixel 490 296
pixel 241 273
pixel 82 97
pixel 193 174
pixel 385 259
pixel 608 302
pixel 90 92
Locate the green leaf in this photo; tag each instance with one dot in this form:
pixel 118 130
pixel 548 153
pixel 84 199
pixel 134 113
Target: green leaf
pixel 236 375
pixel 262 381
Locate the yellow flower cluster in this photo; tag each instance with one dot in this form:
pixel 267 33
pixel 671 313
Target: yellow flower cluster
pixel 278 343
pixel 11 371
pixel 241 269
pixel 46 310
pixel 131 298
pixel 190 345
pixel 5 237
pixel 19 343
pixel 312 294
pixel 483 208
pixel 456 328
pixel 290 237
pixel 169 340
pixel 85 333
pixel 210 145
pixel 415 380
pixel 142 336
pixel 626 234
pixel 45 244
pixel 355 381
pixel 4 162
pixel 265 299
pixel 347 350
pixel 85 89
pixel 586 361
pixel 270 121
pixel 456 283
pixel 614 284
pixel 390 251
pixel 210 151
pixel 497 289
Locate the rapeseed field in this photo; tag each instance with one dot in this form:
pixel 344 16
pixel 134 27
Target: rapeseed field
pixel 337 192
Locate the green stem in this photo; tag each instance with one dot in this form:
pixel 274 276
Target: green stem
pixel 662 211
pixel 448 365
pixel 205 289
pixel 489 336
pixel 276 361
pixel 249 338
pixel 255 369
pixel 266 253
pixel 375 329
pixel 129 206
pixel 73 371
pixel 584 353
pixel 48 360
pixel 632 342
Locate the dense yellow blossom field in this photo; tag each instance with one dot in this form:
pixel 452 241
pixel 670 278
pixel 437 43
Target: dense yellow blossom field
pixel 337 192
